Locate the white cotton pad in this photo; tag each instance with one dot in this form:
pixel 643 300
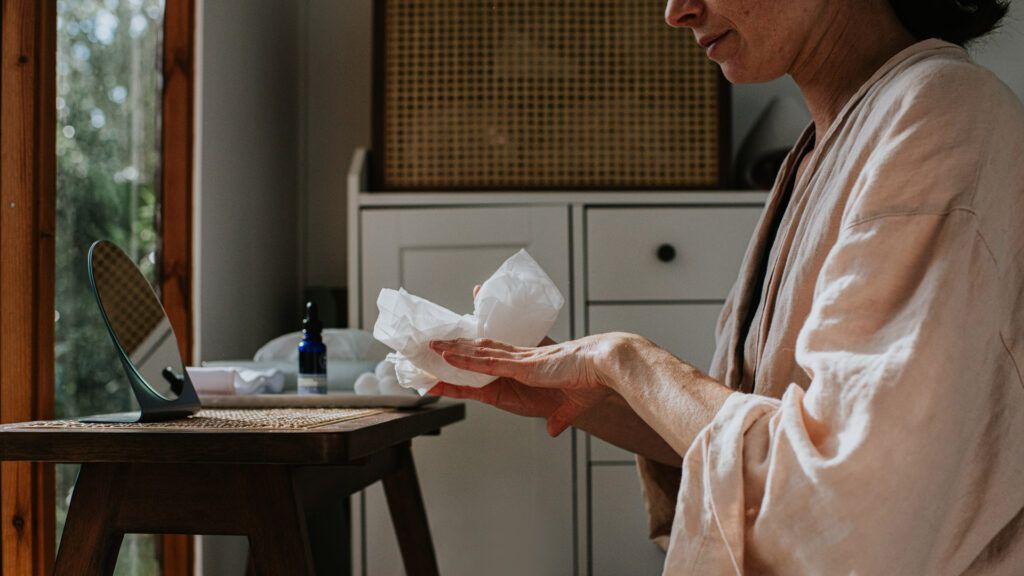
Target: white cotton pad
pixel 367 384
pixel 389 386
pixel 518 305
pixel 384 369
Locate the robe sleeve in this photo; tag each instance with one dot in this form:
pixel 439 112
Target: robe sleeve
pixel 881 465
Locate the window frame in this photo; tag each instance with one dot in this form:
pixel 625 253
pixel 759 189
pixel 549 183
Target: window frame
pixel 28 50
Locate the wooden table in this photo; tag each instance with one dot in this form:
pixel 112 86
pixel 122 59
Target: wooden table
pixel 266 484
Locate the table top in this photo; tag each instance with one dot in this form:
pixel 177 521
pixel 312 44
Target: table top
pixel 337 442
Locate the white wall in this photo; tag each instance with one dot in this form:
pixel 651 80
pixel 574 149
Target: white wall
pixel 337 100
pixel 248 193
pixel 1003 51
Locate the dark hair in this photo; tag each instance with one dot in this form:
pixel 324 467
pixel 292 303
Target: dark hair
pixel 956 21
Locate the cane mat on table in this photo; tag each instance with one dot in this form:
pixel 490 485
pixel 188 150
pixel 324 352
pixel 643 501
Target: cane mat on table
pixel 266 419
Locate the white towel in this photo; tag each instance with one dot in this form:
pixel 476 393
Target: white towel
pixel 242 381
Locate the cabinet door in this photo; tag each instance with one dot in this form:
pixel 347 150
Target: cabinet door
pixel 497 489
pixel 619 542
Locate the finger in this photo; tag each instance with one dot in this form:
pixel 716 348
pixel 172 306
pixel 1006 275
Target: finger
pixel 556 426
pixel 437 389
pixel 492 365
pixel 476 290
pixel 562 418
pixel 477 347
pixel 452 391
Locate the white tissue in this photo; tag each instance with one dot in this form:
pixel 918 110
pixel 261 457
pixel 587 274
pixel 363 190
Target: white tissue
pixel 240 381
pixel 518 305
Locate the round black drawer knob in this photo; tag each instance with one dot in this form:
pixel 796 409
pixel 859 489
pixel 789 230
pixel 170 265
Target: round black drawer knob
pixel 666 252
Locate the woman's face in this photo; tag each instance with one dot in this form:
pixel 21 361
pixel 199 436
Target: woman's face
pixel 752 40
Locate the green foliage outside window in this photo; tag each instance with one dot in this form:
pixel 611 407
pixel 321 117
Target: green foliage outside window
pixel 108 171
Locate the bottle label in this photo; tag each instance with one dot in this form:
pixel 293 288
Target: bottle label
pixel 312 384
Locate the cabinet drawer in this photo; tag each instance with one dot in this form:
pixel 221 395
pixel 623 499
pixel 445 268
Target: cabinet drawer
pixel 620 544
pixel 686 330
pixel 623 252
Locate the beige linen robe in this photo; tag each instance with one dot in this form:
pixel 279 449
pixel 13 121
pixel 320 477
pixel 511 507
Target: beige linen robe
pixel 885 431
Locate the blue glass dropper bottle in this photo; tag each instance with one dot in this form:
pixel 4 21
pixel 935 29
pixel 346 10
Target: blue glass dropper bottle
pixel 312 354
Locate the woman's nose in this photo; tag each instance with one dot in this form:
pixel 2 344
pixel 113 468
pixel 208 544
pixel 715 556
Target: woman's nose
pixel 684 13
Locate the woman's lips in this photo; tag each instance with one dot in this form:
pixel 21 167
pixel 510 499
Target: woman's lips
pixel 709 43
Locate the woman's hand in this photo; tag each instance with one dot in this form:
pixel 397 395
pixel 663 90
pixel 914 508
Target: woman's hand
pixel 567 366
pixel 554 381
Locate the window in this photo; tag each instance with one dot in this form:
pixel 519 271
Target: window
pixel 108 174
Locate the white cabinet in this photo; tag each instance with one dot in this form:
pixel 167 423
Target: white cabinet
pixel 501 496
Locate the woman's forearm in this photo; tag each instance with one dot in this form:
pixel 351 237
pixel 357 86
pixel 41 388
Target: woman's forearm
pixel 672 397
pixel 615 422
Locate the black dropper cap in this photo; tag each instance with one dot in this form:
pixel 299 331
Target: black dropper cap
pixel 311 323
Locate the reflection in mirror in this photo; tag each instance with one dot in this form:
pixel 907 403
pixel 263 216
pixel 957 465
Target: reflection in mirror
pixel 137 320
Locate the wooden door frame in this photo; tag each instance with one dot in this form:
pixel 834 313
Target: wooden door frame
pixel 27 223
pixel 28 67
pixel 175 224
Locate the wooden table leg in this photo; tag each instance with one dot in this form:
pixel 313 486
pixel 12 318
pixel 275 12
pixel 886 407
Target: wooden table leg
pixel 278 540
pixel 90 542
pixel 409 517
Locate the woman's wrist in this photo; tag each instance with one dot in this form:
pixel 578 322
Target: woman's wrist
pixel 615 354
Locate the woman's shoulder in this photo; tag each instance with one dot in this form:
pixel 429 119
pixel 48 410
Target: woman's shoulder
pixel 939 81
pixel 937 133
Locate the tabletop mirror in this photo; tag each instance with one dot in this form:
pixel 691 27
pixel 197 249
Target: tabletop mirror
pixel 143 338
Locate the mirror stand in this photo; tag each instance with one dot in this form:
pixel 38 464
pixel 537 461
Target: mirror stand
pixel 152 407
pixel 143 337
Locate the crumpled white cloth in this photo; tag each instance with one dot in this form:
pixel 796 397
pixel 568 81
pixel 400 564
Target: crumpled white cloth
pixel 241 381
pixel 518 305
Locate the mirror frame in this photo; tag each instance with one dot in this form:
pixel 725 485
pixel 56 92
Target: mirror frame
pixel 153 407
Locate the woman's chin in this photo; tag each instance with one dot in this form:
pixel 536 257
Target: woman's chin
pixel 736 73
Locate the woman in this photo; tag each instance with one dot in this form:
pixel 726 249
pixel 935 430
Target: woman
pixel 865 409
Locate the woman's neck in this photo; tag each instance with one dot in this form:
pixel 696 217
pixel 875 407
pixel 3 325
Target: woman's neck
pixel 855 42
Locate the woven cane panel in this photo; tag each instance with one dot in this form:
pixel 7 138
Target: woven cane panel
pixel 128 300
pixel 545 94
pixel 270 419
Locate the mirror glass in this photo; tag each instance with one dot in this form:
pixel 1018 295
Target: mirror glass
pixel 136 319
